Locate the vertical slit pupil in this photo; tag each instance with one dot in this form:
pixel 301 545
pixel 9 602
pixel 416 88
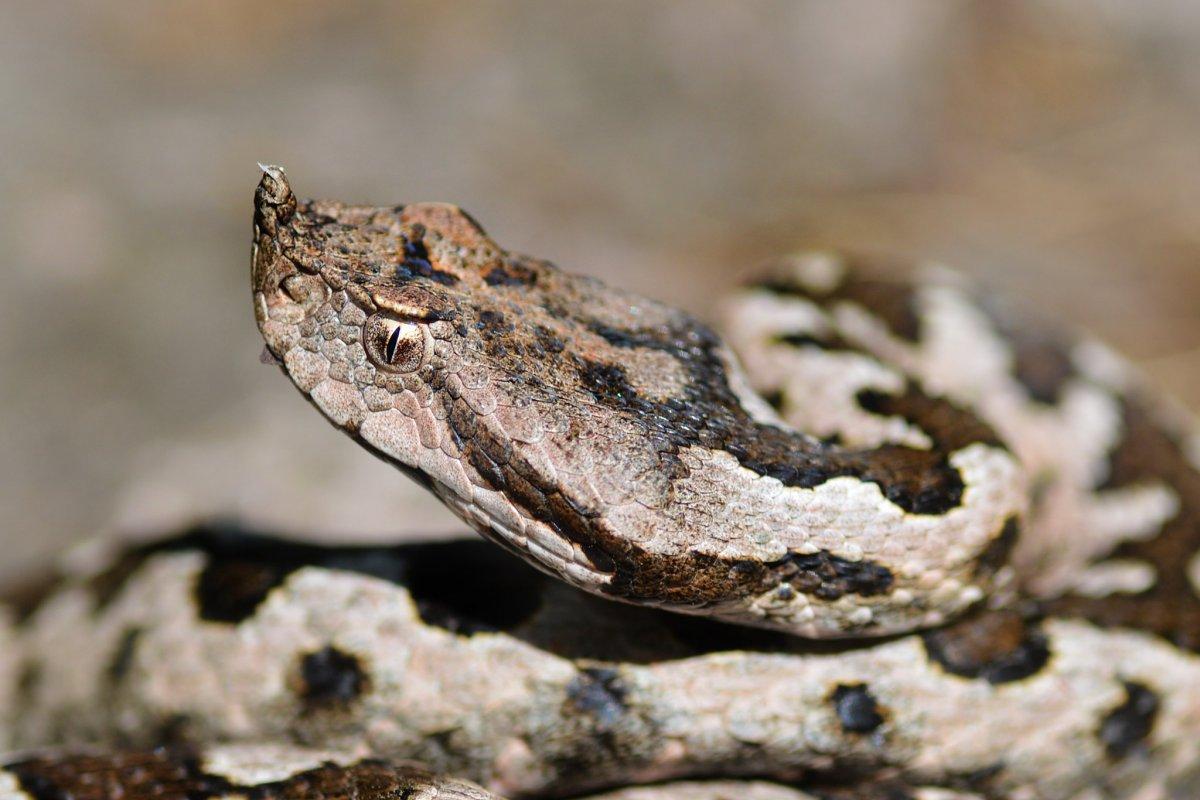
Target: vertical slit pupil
pixel 393 343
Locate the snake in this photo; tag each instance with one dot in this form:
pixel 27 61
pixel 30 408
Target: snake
pixel 887 538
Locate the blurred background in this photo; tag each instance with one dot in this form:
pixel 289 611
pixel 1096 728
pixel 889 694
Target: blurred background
pixel 1051 147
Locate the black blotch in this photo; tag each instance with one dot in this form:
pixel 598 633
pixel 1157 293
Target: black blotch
pixel 599 693
pixel 331 677
pixel 416 263
pixel 548 340
pixel 468 587
pixel 1126 727
pixel 607 382
pixel 856 709
pixel 829 577
pixel 231 590
pixel 998 647
pixel 493 323
pixel 774 400
pixel 122 658
pixel 510 273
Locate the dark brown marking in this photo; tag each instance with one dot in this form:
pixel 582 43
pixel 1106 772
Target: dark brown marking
pixel 919 481
pixel 894 302
pixel 948 426
pixel 331 678
pixel 1125 729
pixel 996 646
pixel 830 577
pixel 857 710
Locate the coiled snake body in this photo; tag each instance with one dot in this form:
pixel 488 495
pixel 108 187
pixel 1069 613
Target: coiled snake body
pixel 910 546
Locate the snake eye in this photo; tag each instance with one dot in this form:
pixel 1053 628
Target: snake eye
pixel 394 345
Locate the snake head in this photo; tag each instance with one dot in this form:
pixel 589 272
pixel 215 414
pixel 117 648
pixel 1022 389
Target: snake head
pixel 611 439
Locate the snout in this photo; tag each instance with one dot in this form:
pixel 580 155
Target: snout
pixel 283 296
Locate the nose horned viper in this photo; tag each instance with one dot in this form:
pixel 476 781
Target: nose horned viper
pixel 885 539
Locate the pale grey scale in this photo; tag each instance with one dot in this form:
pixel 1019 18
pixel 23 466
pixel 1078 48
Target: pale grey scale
pixel 519 717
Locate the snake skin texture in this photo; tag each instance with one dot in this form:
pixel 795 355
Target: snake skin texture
pixel 958 550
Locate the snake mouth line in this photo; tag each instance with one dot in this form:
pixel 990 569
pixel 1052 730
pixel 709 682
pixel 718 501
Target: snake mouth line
pixel 541 552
